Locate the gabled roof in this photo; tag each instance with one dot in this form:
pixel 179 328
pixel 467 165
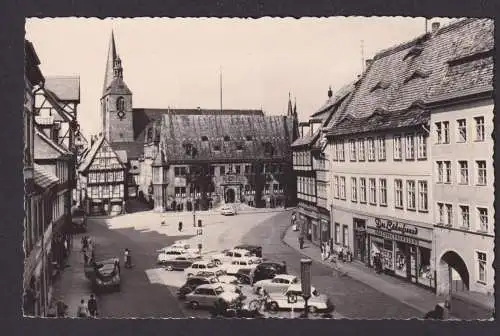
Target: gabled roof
pixel 65 88
pixel 334 99
pixel 43 178
pixel 134 149
pixel 415 79
pixel 89 157
pixel 117 86
pixel 181 138
pixel 46 148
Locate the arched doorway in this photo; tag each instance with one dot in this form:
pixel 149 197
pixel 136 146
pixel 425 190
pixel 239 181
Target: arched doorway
pixel 454 275
pixel 230 195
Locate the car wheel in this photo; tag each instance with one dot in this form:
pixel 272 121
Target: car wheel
pixel 169 268
pixel 194 304
pixel 190 275
pixel 217 262
pixel 258 290
pixel 313 309
pixel 273 307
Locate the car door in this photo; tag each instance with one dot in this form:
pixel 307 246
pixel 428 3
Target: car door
pixel 300 302
pixel 274 285
pixel 210 297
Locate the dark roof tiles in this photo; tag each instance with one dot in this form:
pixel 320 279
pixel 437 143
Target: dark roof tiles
pixel 65 88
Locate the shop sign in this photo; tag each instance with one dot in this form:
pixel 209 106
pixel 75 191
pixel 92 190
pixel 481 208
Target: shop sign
pixel 395 236
pixel 233 179
pixel 393 226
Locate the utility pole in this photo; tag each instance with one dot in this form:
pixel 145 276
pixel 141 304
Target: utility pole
pixel 305 279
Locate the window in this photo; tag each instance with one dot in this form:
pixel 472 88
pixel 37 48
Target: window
pixel 247 169
pixel 227 138
pixel 371 149
pixel 239 147
pixel 483 219
pixel 336 187
pixel 423 197
pixel 204 138
pixel 409 147
pixel 383 191
pixel 439 165
pixel 120 104
pixel 352 150
pixel 464 172
pixel 248 138
pixel 216 148
pixel 447 171
pixel 340 148
pixel 345 236
pixel 361 149
pixel 421 146
pixel 222 170
pixel 337 233
pixel 238 169
pixel 354 189
pixel 464 214
pixel 410 195
pixel 461 130
pixel 398 193
pixel 479 128
pixel 481 263
pixel 449 214
pixel 446 132
pixel 266 188
pixel 397 147
pixel 481 172
pixel 362 190
pixel 335 152
pixel 440 213
pixel 439 133
pixel 381 148
pixel 373 191
pixel 342 187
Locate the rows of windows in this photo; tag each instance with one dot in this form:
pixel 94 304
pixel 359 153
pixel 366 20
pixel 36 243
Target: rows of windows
pixel 321 188
pixel 374 191
pixel 110 176
pixel 442 131
pixel 464 220
pixel 233 169
pixel 58 206
pixel 445 172
pixel 409 146
pixel 106 163
pixel 302 158
pixel 341 238
pixel 106 191
pixel 62 171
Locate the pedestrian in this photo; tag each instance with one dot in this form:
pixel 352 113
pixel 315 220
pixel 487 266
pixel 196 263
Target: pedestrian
pixel 301 242
pixel 180 227
pixel 327 250
pixel 200 229
pixel 85 257
pixel 92 306
pixel 61 308
pixel 82 310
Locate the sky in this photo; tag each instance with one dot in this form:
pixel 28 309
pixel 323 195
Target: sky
pixel 177 62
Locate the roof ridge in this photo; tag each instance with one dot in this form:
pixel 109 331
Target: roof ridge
pixel 51 142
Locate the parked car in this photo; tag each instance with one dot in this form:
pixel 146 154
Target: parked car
pixel 253 249
pixel 228 256
pixel 228 210
pixel 177 263
pixel 268 269
pixel 79 220
pixel 167 254
pixel 104 274
pixel 192 283
pixel 292 298
pixel 182 246
pixel 236 265
pixel 221 276
pixel 244 276
pixel 198 266
pixel 277 284
pixel 207 295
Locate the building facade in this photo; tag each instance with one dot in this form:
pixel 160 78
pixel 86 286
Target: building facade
pixel 210 157
pixel 102 177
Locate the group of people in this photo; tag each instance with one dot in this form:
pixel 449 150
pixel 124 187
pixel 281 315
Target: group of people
pixel 87 250
pixel 378 262
pixel 87 309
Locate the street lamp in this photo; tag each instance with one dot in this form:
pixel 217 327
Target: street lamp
pixel 305 279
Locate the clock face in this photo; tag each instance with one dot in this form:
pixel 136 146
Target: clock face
pixel 121 115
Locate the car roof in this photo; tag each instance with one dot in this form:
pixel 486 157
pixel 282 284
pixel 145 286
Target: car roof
pixel 238 250
pixel 202 262
pixel 247 245
pixel 211 286
pixel 285 276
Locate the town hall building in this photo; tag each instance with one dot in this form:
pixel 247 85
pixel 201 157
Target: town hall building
pixel 180 159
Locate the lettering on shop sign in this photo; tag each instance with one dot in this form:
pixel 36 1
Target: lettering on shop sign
pixel 393 226
pixel 397 237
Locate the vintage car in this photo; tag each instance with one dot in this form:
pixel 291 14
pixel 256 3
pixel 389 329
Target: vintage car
pixel 228 210
pixel 220 275
pixel 292 299
pixel 268 270
pixel 170 253
pixel 180 244
pixel 104 274
pixel 192 283
pixel 208 295
pixel 228 256
pixel 253 249
pixel 277 284
pixel 177 263
pixel 236 265
pixel 202 265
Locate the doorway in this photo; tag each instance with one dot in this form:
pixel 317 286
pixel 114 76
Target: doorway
pixel 359 239
pixel 230 195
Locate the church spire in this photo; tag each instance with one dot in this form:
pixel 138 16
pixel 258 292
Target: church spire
pixel 110 63
pixel 290 109
pixel 295 107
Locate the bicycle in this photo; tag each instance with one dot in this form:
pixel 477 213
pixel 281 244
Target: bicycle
pixel 262 303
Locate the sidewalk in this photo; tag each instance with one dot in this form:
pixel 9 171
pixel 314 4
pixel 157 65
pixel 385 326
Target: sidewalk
pixel 410 294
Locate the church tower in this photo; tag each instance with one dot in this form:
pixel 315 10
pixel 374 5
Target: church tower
pixel 116 100
pixel 292 114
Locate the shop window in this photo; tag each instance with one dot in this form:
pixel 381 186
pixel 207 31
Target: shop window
pixel 361 149
pixel 401 260
pixel 479 128
pixel 481 172
pixel 424 268
pixel 461 130
pixel 481 264
pixel 397 147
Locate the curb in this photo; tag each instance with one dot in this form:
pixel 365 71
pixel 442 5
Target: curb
pixel 282 236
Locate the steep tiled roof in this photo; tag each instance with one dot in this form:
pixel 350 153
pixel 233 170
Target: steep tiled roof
pixel 89 157
pixel 183 137
pixel 134 149
pixel 65 88
pixel 43 178
pixel 46 148
pixel 117 86
pixel 413 71
pixel 306 140
pixel 334 99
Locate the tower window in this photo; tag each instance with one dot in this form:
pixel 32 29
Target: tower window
pixel 227 138
pixel 204 138
pixel 120 104
pixel 248 138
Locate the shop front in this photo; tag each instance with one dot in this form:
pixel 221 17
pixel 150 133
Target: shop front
pixel 404 249
pixel 309 220
pixel 360 240
pixel 324 224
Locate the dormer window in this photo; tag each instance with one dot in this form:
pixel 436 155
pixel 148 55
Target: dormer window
pixel 417 74
pixel 248 138
pixel 227 138
pixel 204 138
pixel 380 85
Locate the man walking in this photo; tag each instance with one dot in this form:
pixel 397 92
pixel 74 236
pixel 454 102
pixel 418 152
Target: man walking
pixel 82 310
pixel 92 306
pixel 180 227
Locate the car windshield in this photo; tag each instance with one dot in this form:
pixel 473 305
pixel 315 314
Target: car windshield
pixel 210 265
pixel 219 290
pixel 294 281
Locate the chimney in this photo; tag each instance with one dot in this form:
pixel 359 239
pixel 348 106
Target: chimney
pixel 368 62
pixel 435 27
pixel 330 92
